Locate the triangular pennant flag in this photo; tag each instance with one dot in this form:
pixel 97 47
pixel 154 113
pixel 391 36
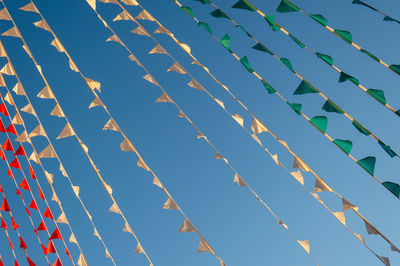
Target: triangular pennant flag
pixel 7 146
pixel 3 224
pixel 34 157
pixel 347 205
pixel 47 213
pixel 320 185
pixel 11 129
pixel 161 29
pixel 200 135
pixel 305 244
pixel 238 118
pixel 38 131
pixel 139 248
pixel 15 226
pixel 114 38
pixel 114 208
pixel 18 89
pixel 203 246
pixel 164 98
pixel 23 137
pixel 28 109
pixel 92 3
pixel 24 185
pixel 237 179
pixel 72 239
pixel 76 190
pixel 126 146
pixel 111 125
pixel 50 248
pixel 385 260
pixel 8 98
pixel 62 219
pixel 96 234
pixel 56 235
pixel 48 152
pixel 145 16
pixel 127 229
pixel 15 164
pixel 62 170
pixel 150 79
pixel 33 205
pixel 299 164
pixel 196 85
pixel 157 182
pixel 42 227
pixel 57 111
pixel 13 32
pixel 142 164
pixel 158 49
pixel 67 131
pixel 46 93
pixel 72 66
pixel 340 216
pixel 258 127
pixel 3 109
pixel 94 85
pixel 220 103
pixel 122 16
pixel 22 243
pixel 96 102
pixel 186 227
pixel 298 176
pixel 43 25
pixel 30 8
pixel 130 2
pixel 56 43
pixel 133 58
pixel 371 230
pixel 275 158
pixel 140 31
pixel 2 128
pixel 170 204
pixel 177 68
pixel 4 206
pixel 81 260
pixel 4 15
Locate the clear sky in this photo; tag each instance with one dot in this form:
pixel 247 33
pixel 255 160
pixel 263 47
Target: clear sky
pixel 236 226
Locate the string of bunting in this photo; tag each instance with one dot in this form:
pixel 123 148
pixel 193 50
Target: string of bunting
pixel 377 95
pixel 386 17
pixel 257 124
pixel 319 122
pixel 288 6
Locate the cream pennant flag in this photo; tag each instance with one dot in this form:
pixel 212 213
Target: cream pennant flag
pixel 130 2
pixel 108 255
pixel 17 120
pixel 157 182
pixel 361 238
pixel 150 79
pixel 8 98
pixel 164 98
pixel 29 8
pixel 238 118
pixel 275 158
pixel 218 156
pixel 158 49
pixel 181 114
pixel 72 239
pixel 62 170
pixel 320 185
pixel 284 143
pixel 371 230
pixel 39 68
pixel 72 66
pixel 111 125
pixel 170 204
pixel 140 31
pixel 56 43
pixel 258 127
pixel 133 58
pixel 94 85
pixel 62 219
pixel 298 176
pixel 2 50
pixel 38 131
pixel 145 16
pixel 55 198
pixel 201 135
pixel 18 89
pixel 49 177
pixel 347 205
pixel 283 224
pixel 139 248
pixel 127 146
pixel 82 260
pixel 122 16
pixel 57 111
pixel 28 109
pixel 13 32
pixel 163 30
pixel 237 179
pixel 48 152
pixel 185 47
pixel 305 244
pixel 299 164
pixel 76 190
pixel 95 233
pixel 92 3
pixel 96 102
pixel 2 82
pixel 114 38
pixel 142 164
pixel 255 137
pixel 68 131
pixel 46 93
pixel 340 216
pixel 23 137
pixel 108 188
pixel 4 15
pixel 27 51
pixel 88 214
pixel 177 68
pixel 196 85
pixel 8 70
pixel 43 25
pixel 115 209
pixel 203 246
pixel 220 103
pixel 186 227
pixel 127 229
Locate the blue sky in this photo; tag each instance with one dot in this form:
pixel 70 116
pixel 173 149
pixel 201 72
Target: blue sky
pixel 229 217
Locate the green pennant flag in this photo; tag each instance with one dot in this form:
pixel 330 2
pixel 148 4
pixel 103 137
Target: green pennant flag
pixel 218 13
pixel 398 112
pixel 387 18
pixel 271 23
pixel 285 6
pixel 225 41
pixel 368 163
pixel 246 64
pixel 296 107
pixel 206 2
pixel 330 107
pixel 327 58
pixel 345 145
pixel 345 35
pixel 343 77
pixel 370 55
pixel 320 19
pixel 205 26
pixel 387 149
pixel 268 87
pixel 304 88
pixel 261 48
pixel 395 68
pixel 287 63
pixel 378 95
pixel 244 30
pixel 188 9
pixel 360 128
pixel 243 4
pixel 320 122
pixel 392 187
pixel 299 43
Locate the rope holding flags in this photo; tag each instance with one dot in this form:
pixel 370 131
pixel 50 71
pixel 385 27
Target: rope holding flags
pixel 386 17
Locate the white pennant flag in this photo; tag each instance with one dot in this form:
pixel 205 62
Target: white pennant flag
pixel 201 135
pixel 150 79
pixel 27 51
pixel 46 93
pixel 62 170
pixel 50 177
pixel 57 111
pixel 258 127
pixel 76 190
pixel 275 158
pixel 305 244
pixel 238 118
pixel 130 2
pixel 145 16
pixel 340 216
pixel 96 102
pixel 62 219
pixel 29 8
pixel 4 15
pixel 115 209
pixel 8 70
pixel 181 114
pixel 127 146
pixel 56 43
pixel 127 229
pixel 28 109
pixel 111 125
pixel 237 179
pixel 299 164
pixel 142 164
pixel 17 120
pixel 320 185
pixel 48 152
pixel 122 16
pixel 72 239
pixel 163 30
pixel 298 176
pixel 177 68
pixel 23 137
pixel 196 85
pixel 186 227
pixel 8 98
pixel 139 248
pixel 38 131
pixel 34 158
pixel 140 31
pixel 164 98
pixel 157 182
pixel 95 233
pixel 347 205
pixel 81 260
pixel 158 49
pixel 68 131
pixel 185 47
pixel 255 137
pixel 94 85
pixel 133 58
pixel 55 198
pixel 203 246
pixel 18 89
pixel 2 82
pixel 170 204
pixel 92 3
pixel 43 25
pixel 220 103
pixel 114 38
pixel 108 255
pixel 13 32
pixel 72 66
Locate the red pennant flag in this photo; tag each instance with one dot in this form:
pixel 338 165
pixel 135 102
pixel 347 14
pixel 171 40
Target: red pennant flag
pixel 2 156
pixel 16 262
pixel 56 235
pixel 57 263
pixel 1 262
pixel 18 192
pixel 27 211
pixel 31 263
pixel 47 213
pixel 4 206
pixel 9 243
pixel 14 224
pixel 3 109
pixel 3 224
pixel 33 176
pixel 20 151
pixel 66 252
pixel 15 164
pixel 50 248
pixel 42 227
pixel 44 249
pixel 22 243
pixel 1 189
pixel 11 129
pixel 7 146
pixel 2 128
pixel 10 173
pixel 41 195
pixel 24 184
pixel 33 205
